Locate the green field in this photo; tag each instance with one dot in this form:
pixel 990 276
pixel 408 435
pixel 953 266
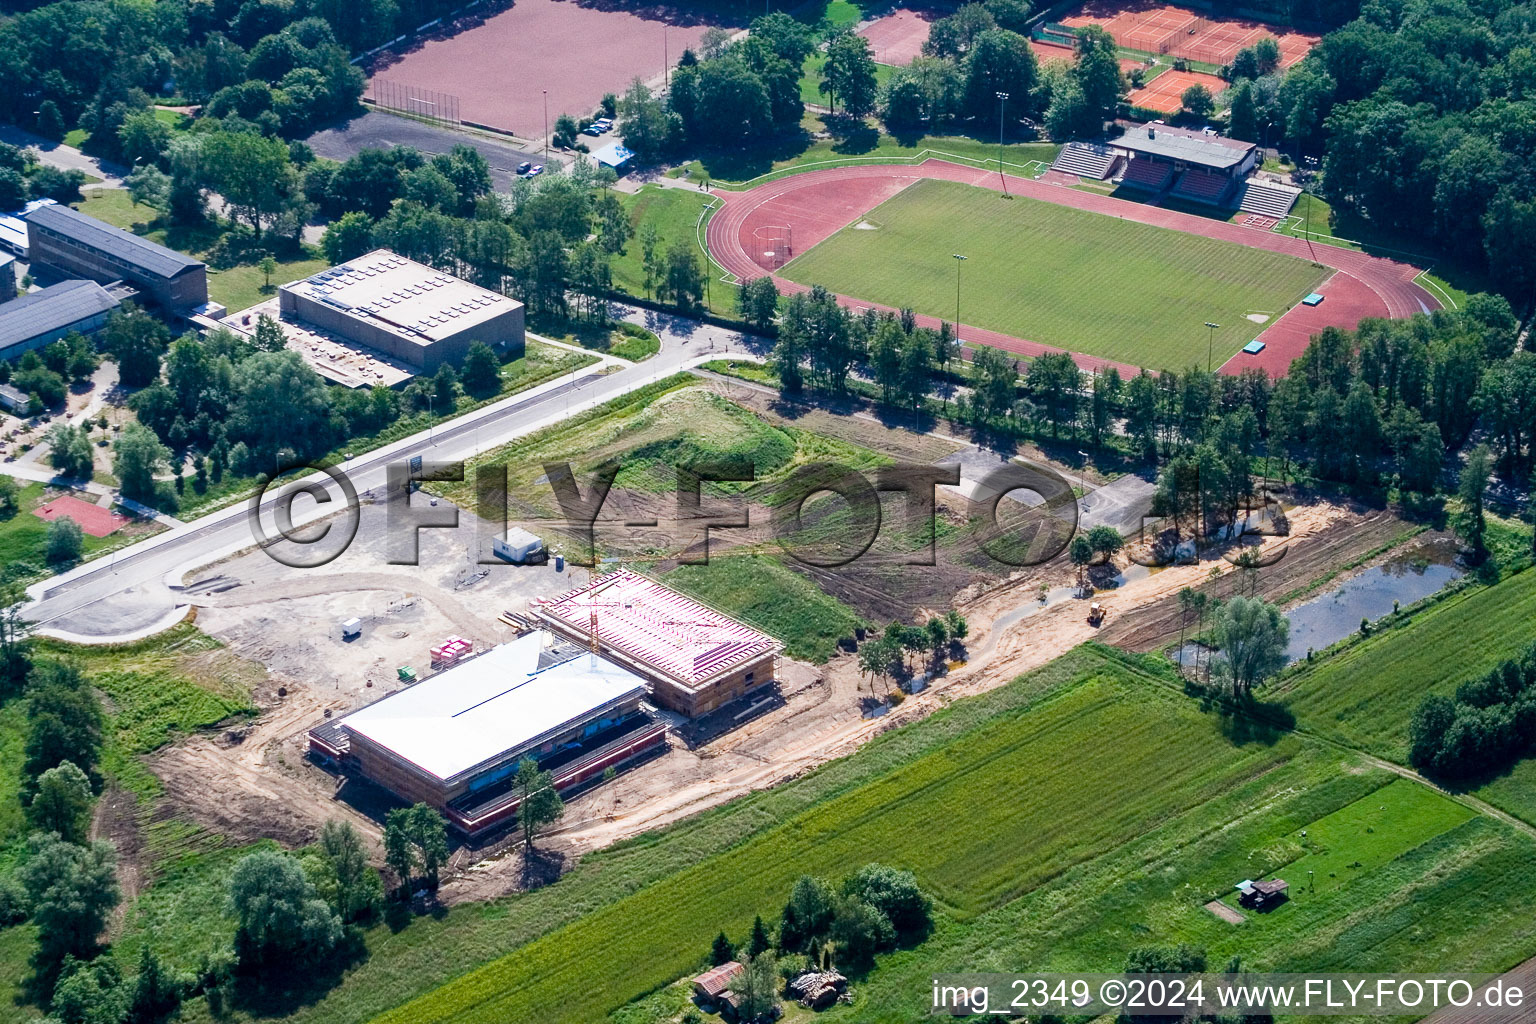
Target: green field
pixel 1085 809
pixel 23 536
pixel 1081 281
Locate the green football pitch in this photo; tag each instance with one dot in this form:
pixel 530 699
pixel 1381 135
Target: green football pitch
pixel 1081 281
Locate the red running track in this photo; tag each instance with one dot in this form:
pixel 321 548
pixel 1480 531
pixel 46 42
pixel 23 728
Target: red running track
pixel 816 204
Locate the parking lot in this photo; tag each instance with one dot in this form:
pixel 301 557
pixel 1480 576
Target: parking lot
pixel 375 130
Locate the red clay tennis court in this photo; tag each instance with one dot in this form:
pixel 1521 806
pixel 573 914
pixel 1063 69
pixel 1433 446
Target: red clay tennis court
pixel 1164 92
pixel 898 37
pixel 1047 53
pixel 93 519
pixel 1160 28
pixel 497 70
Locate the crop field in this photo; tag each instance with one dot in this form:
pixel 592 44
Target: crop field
pixel 1039 855
pixel 759 589
pixel 1366 695
pixel 1077 280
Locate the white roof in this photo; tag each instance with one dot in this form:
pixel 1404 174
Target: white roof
pixel 412 299
pixel 493 704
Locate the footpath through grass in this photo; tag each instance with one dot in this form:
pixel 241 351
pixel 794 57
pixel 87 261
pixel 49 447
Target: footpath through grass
pixel 1082 281
pixel 1084 809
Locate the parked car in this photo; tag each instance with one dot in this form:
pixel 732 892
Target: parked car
pixel 592 130
pixel 536 170
pixel 522 168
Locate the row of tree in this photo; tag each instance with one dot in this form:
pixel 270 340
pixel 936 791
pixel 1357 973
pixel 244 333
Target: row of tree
pixel 1490 723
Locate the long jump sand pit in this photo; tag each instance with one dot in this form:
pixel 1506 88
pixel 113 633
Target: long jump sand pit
pixel 500 66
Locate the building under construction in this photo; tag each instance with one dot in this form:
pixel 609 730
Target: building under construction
pixel 693 658
pixel 455 740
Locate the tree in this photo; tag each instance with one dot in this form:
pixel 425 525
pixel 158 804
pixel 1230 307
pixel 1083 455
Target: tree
pixel 1470 488
pixel 758 987
pixel 357 885
pixel 50 123
pixel 1000 61
pixel 269 336
pixel 758 942
pixel 807 917
pixel 90 992
pixel 62 803
pixel 1252 636
pixel 70 450
pixel 482 371
pixel 142 137
pixel 137 455
pixel 540 805
pixel 896 895
pixel 156 991
pixel 721 951
pixel 136 340
pixel 849 75
pixel 1097 73
pixel 15 637
pixel 268 266
pixel 430 834
pixel 72 889
pixel 348 237
pixel 252 173
pixel 64 724
pixel 682 282
pixel 1080 551
pixel 399 851
pixel 758 302
pixel 1105 541
pixel 278 918
pixel 1197 101
pixel 1244 118
pixel 65 542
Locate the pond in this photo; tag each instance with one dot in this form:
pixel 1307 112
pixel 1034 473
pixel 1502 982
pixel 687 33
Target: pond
pixel 1325 620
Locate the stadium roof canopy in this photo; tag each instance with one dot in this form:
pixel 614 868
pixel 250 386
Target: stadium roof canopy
pixel 1160 140
pixel 510 698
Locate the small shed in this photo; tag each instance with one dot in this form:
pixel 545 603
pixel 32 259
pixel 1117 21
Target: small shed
pixel 14 400
pixel 1262 894
pixel 714 984
pixel 351 628
pixel 614 155
pixel 520 548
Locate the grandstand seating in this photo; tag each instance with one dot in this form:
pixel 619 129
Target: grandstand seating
pixel 1151 175
pixel 1202 186
pixel 1268 198
pixel 1086 159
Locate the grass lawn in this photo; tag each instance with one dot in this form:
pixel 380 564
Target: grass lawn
pixel 1366 694
pixel 810 79
pixel 1037 856
pixel 1082 281
pixel 239 287
pixel 23 536
pixel 674 213
pixel 762 591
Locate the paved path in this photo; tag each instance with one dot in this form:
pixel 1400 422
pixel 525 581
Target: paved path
pixel 1391 280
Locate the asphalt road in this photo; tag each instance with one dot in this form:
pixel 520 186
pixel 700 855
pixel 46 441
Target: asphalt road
pixel 120 594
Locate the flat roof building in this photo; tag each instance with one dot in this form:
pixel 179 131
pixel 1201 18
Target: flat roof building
pixel 1202 167
pixel 694 658
pixel 455 739
pixel 44 317
pixel 404 309
pixel 83 246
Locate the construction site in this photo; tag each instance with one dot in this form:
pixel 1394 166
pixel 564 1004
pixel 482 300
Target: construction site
pixel 365 634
